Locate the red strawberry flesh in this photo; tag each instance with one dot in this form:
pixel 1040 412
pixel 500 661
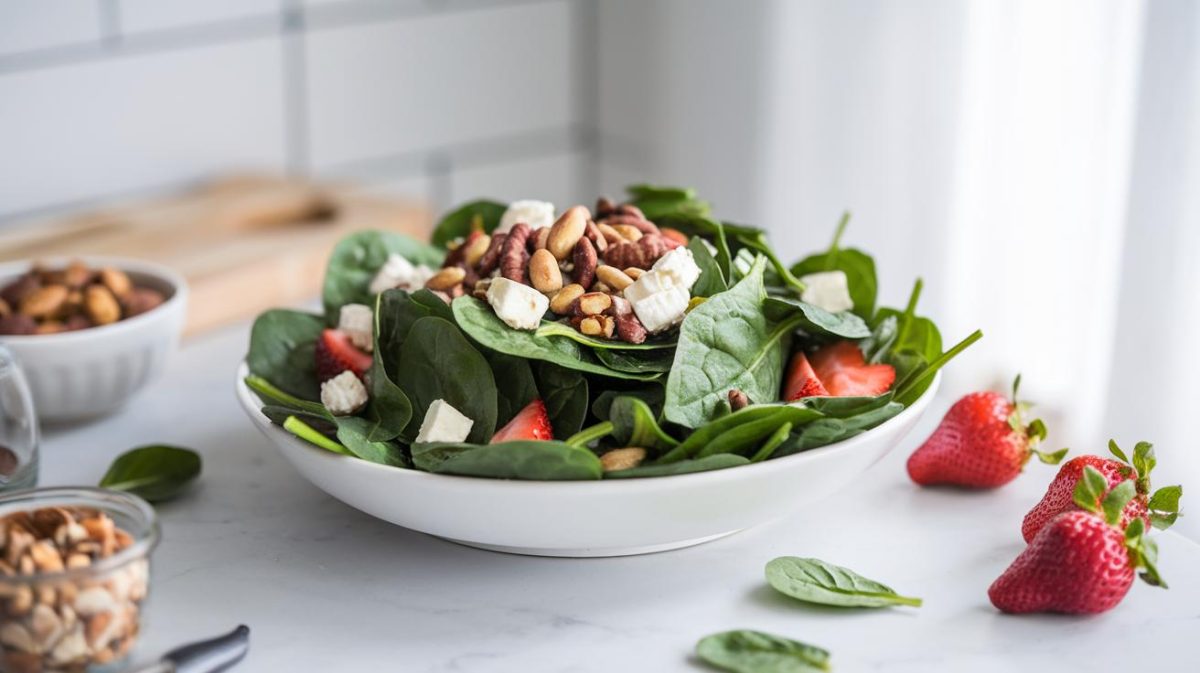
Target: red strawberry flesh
pixel 335 354
pixel 843 371
pixel 802 381
pixel 532 422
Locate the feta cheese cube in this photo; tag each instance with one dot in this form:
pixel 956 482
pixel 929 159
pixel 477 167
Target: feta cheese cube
pixel 536 214
pixel 344 394
pixel 358 322
pixel 828 290
pixel 517 304
pixel 680 265
pixel 444 423
pixel 398 272
pixel 661 310
pixel 651 282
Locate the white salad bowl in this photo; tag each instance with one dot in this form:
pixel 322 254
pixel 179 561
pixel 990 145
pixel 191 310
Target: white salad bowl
pixel 616 517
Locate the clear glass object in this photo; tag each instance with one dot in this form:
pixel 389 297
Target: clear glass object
pixel 19 434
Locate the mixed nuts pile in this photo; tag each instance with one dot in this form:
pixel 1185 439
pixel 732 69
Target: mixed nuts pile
pixel 48 301
pixel 51 622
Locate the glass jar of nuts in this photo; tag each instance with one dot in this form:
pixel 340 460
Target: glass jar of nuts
pixel 74 576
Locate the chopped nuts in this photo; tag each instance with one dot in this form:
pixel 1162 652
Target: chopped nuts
pixel 44 302
pixel 474 248
pixel 101 305
pixel 585 263
pixel 634 272
pixel 622 459
pixel 598 325
pixel 116 281
pixel 563 300
pixel 513 255
pixel 594 303
pixel 737 400
pixel 613 277
pixel 540 237
pixel 544 272
pixel 628 232
pixel 567 232
pixel 48 301
pixel 446 278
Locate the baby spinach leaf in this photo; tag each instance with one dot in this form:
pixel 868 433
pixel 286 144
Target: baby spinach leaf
pixel 652 395
pixel 353 433
pixel 396 311
pixel 701 225
pixel 717 462
pixel 917 382
pixel 437 362
pixel 726 343
pixel 658 360
pixel 458 223
pixel 858 266
pixel 281 351
pixel 743 437
pixel 565 394
pixel 634 424
pixel 711 280
pixel 758 652
pixel 356 260
pixel 656 202
pixel 755 239
pixel 389 409
pixel 269 393
pixel 279 414
pixel 515 385
pixel 773 442
pixel 883 338
pixel 817 321
pixel 157 472
pixel 551 329
pixel 829 430
pixel 795 414
pixel 530 460
pixel 304 431
pixel 845 407
pixel 481 324
pixel 815 581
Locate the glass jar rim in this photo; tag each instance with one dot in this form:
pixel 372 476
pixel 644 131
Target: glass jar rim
pixel 105 500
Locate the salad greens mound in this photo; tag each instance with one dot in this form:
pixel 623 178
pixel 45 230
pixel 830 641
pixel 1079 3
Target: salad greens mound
pixel 645 339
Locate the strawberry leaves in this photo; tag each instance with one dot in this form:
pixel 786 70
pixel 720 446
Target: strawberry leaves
pixel 1143 553
pixel 1090 489
pixel 1164 506
pixel 1164 503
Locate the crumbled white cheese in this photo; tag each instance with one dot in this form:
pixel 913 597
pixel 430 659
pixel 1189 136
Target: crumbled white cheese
pixel 358 322
pixel 660 296
pixel 444 423
pixel 828 290
pixel 680 265
pixel 662 310
pixel 398 272
pixel 344 394
pixel 517 304
pixel 536 214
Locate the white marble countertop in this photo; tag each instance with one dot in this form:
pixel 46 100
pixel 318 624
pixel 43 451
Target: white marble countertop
pixel 326 588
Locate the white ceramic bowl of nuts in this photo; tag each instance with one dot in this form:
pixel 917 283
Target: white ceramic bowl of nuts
pixel 89 332
pixel 74 576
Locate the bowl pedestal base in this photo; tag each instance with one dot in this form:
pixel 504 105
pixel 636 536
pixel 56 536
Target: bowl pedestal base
pixel 599 552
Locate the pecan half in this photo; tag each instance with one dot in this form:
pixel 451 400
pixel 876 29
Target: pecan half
pixel 585 263
pixel 737 400
pixel 514 256
pixel 491 256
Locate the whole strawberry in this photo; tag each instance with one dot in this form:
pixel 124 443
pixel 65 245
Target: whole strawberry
pixel 982 442
pixel 1160 509
pixel 1080 562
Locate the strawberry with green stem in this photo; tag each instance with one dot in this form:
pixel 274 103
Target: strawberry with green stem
pixel 1160 508
pixel 1081 562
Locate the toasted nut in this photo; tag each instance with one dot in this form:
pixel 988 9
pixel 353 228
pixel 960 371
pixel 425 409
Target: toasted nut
pixel 21 602
pixel 613 277
pixel 620 306
pixel 628 232
pixel 675 235
pixel 78 561
pixel 513 256
pixel 601 287
pixel 563 300
pixel 47 594
pixel 141 299
pixel 567 231
pixel 592 233
pixel 630 329
pixel 544 273
pixel 15 292
pixel 491 258
pixel 16 636
pixel 585 263
pixel 46 625
pixel 594 303
pixel 70 648
pixel 19 540
pixel 737 400
pixel 18 323
pixel 446 278
pixel 473 249
pixel 116 281
pixel 623 459
pixel 612 236
pixel 101 305
pixel 540 237
pixel 44 302
pixel 5 309
pixel 634 272
pixel 50 327
pixel 77 274
pixel 46 557
pixel 592 326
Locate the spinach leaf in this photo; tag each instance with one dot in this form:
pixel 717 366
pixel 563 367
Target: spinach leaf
pixel 829 430
pixel 157 472
pixel 717 462
pixel 858 266
pixel 356 260
pixel 279 414
pixel 700 225
pixel 282 344
pixel 530 460
pixel 515 384
pixel 815 581
pixel 755 239
pixel 550 330
pixel 711 280
pixel 883 338
pixel 396 311
pixel 817 321
pixel 845 407
pixel 437 362
pixel 758 652
pixel 389 409
pixel 269 393
pixel 565 394
pixel 480 323
pixel 354 434
pixel 747 435
pixel 634 424
pixel 317 438
pixel 772 442
pixel 795 414
pixel 658 360
pixel 917 382
pixel 726 343
pixel 652 395
pixel 458 223
pixel 655 201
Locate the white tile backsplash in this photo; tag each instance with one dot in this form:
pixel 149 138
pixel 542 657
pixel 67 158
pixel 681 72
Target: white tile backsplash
pixel 554 179
pixel 413 84
pixel 148 15
pixel 28 25
pixel 87 130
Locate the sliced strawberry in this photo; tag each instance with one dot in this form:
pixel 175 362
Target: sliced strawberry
pixel 801 380
pixel 532 422
pixel 335 354
pixel 841 368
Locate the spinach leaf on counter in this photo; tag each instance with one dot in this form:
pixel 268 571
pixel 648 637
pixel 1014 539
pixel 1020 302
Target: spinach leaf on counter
pixel 157 472
pixel 717 462
pixel 565 394
pixel 437 362
pixel 711 280
pixel 757 652
pixel 815 581
pixel 858 266
pixel 282 344
pixel 480 323
pixel 634 424
pixel 551 330
pixel 529 460
pixel 356 260
pixel 816 320
pixel 726 343
pixel 658 360
pixel 458 223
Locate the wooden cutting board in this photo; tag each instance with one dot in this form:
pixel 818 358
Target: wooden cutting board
pixel 244 243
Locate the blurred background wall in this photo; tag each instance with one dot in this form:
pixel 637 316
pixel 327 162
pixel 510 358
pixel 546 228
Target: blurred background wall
pixel 1037 163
